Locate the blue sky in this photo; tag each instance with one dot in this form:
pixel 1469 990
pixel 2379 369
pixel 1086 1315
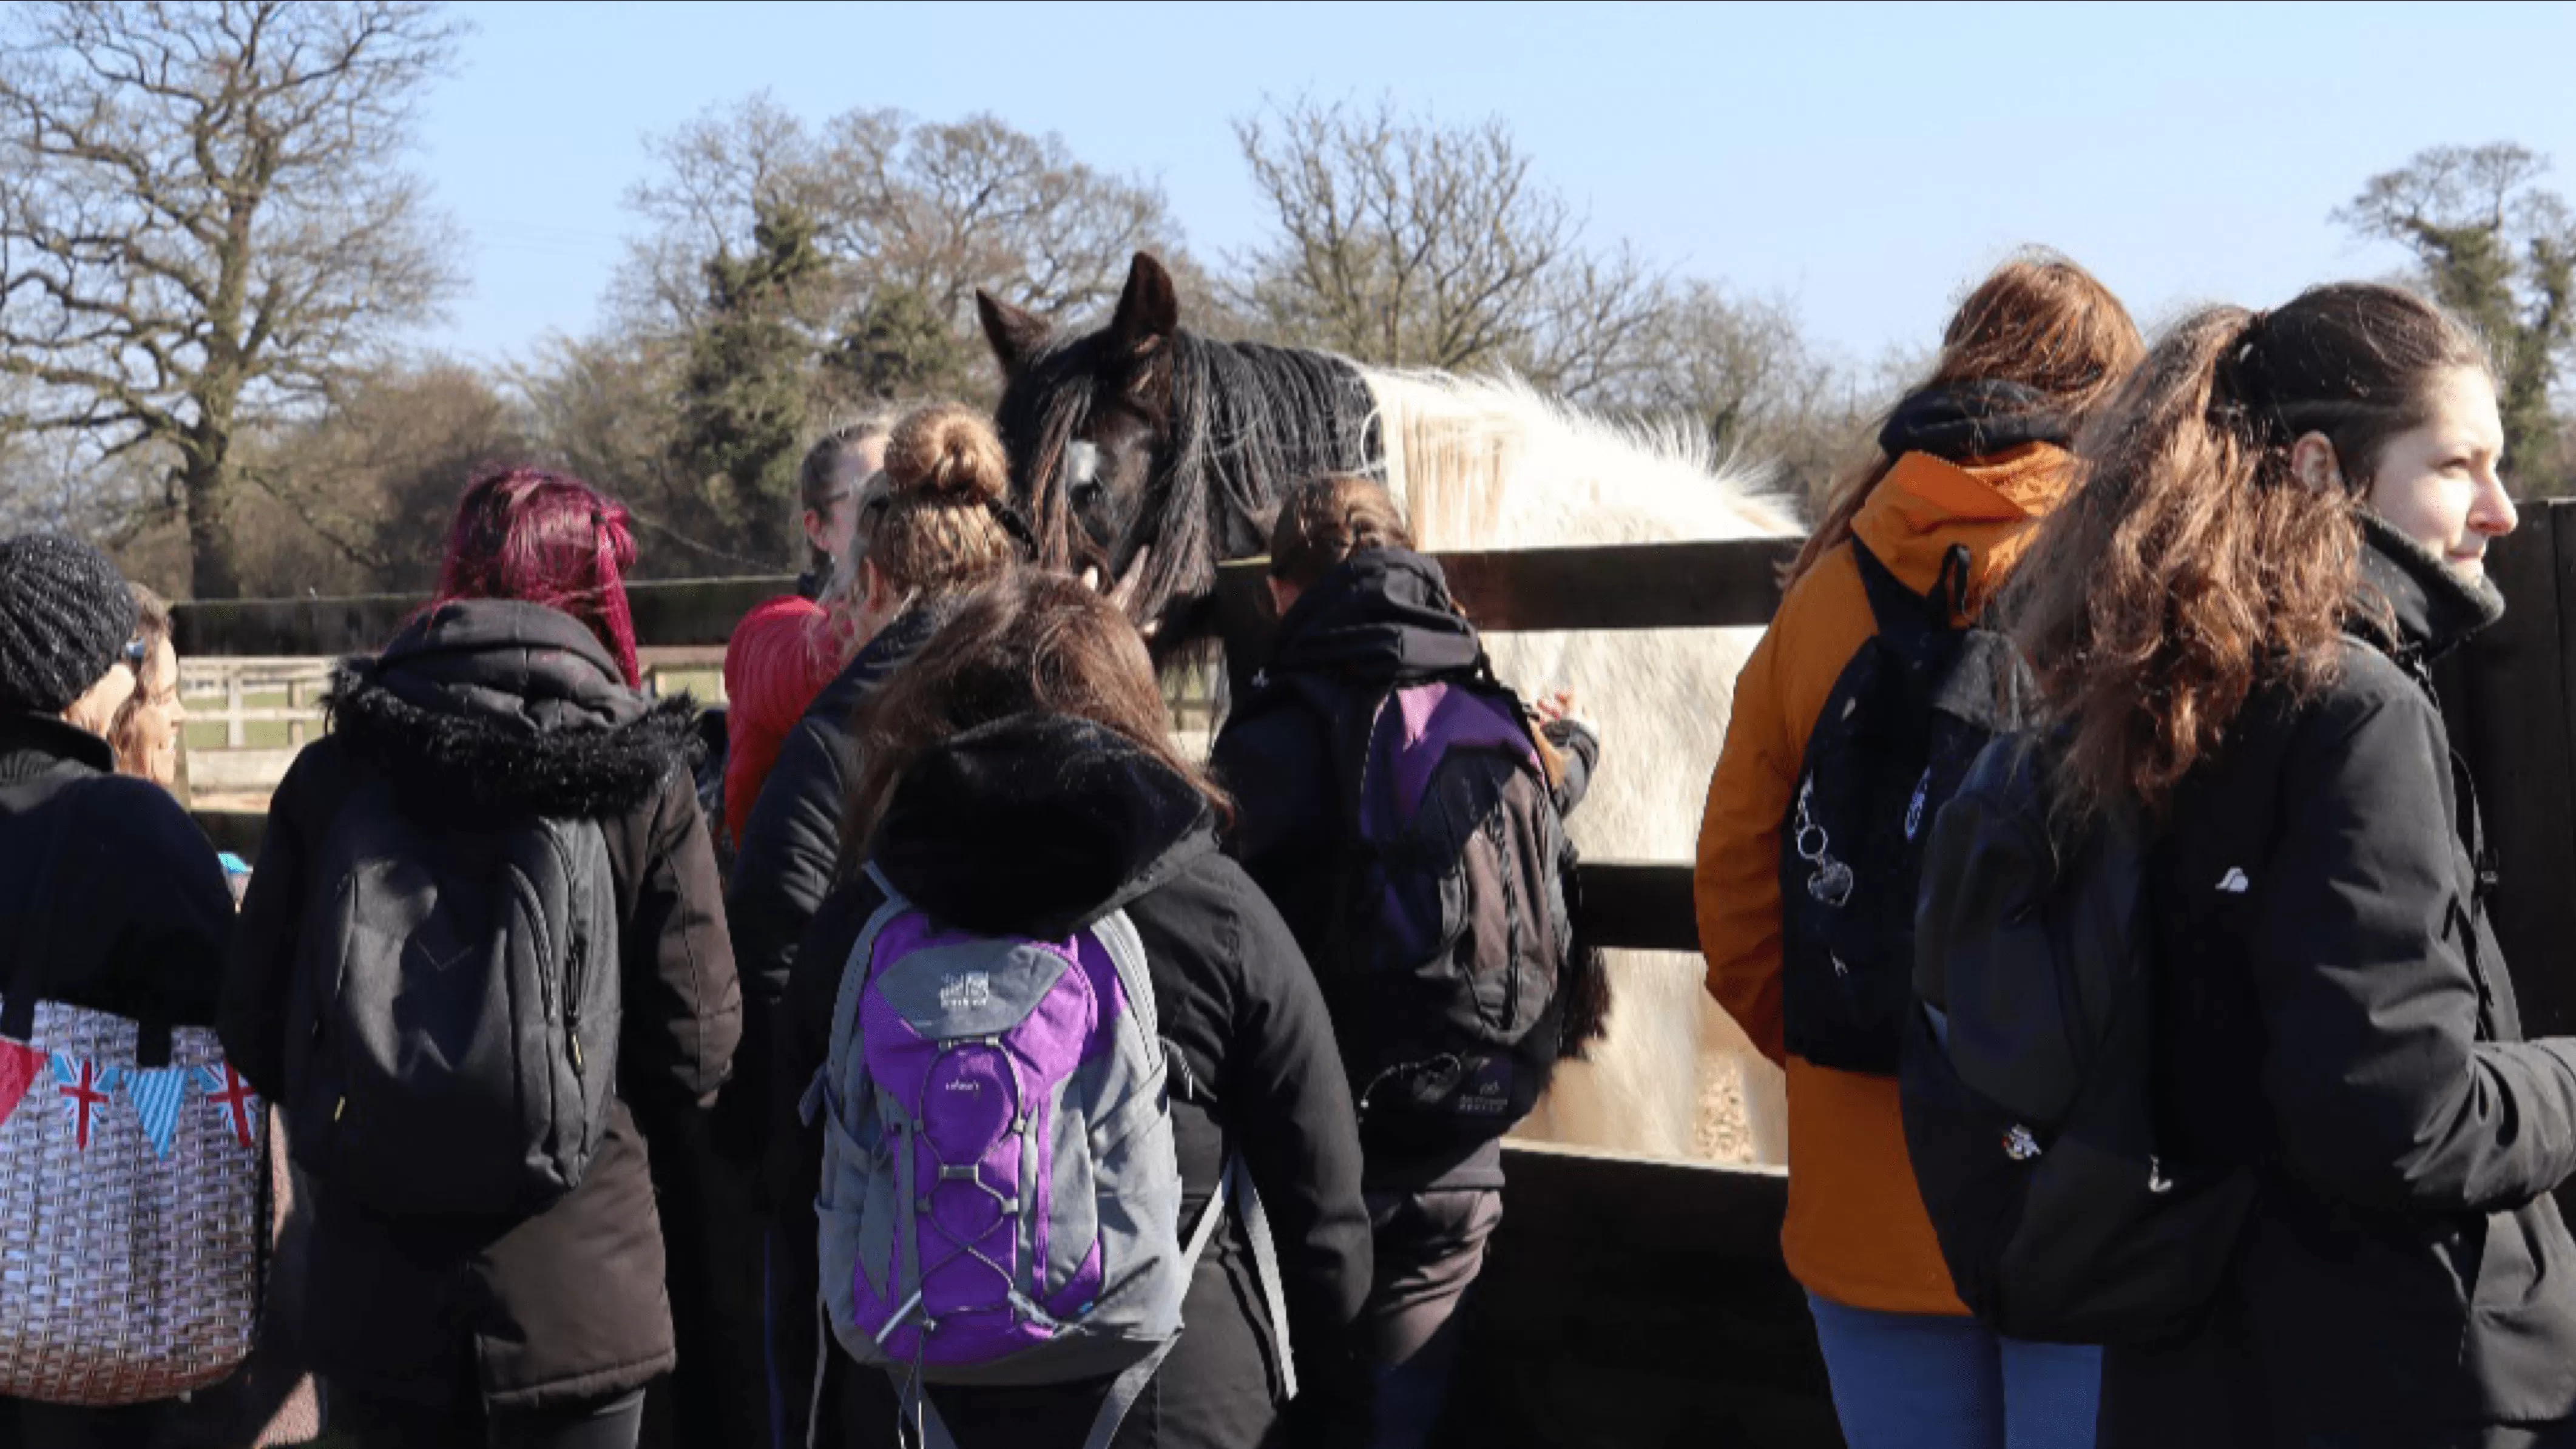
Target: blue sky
pixel 1863 162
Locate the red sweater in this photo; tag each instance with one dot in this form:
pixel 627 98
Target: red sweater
pixel 781 655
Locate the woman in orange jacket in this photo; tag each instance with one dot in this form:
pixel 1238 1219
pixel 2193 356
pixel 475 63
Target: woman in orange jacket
pixel 1969 460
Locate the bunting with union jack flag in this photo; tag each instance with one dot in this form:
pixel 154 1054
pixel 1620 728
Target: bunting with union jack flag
pixel 233 1096
pixel 84 1089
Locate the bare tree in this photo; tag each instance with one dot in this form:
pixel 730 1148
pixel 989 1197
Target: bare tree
pixel 711 177
pixel 930 210
pixel 1405 243
pixel 205 223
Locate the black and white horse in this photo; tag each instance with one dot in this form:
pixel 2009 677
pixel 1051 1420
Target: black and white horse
pixel 1154 454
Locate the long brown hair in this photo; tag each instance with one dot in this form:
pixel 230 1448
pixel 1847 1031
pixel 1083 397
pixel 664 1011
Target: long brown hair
pixel 125 734
pixel 2194 563
pixel 1030 642
pixel 944 528
pixel 2038 320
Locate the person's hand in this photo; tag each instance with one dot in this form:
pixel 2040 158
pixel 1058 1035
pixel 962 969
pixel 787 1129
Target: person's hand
pixel 1558 706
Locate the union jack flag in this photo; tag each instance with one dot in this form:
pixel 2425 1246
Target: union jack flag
pixel 226 1089
pixel 84 1090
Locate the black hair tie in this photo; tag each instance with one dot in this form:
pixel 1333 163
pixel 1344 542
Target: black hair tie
pixel 1014 525
pixel 2244 391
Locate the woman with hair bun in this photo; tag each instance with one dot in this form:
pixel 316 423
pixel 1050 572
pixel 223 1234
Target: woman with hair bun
pixel 507 709
pixel 943 527
pixel 2285 526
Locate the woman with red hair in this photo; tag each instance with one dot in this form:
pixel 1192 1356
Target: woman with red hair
pixel 508 711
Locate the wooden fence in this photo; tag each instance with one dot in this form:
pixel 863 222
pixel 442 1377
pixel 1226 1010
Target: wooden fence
pixel 1633 1303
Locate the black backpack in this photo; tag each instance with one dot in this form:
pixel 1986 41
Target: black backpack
pixel 460 1000
pixel 1451 946
pixel 2030 1065
pixel 1904 719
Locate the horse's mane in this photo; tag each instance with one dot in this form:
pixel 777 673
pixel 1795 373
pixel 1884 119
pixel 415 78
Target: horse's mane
pixel 1248 423
pixel 1452 443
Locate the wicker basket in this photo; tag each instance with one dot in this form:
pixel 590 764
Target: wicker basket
pixel 131 1213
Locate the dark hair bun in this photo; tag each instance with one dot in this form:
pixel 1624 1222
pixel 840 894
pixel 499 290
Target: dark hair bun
pixel 948 454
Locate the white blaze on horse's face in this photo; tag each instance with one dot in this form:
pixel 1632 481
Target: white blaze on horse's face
pixel 1104 475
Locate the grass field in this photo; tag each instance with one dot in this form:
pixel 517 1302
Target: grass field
pixel 257 735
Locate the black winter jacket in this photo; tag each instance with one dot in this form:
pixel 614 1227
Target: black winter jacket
pixel 109 894
pixel 1379 621
pixel 2406 1279
pixel 791 847
pixel 484 709
pixel 1039 825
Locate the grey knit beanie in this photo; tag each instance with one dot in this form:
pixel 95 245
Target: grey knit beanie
pixel 65 614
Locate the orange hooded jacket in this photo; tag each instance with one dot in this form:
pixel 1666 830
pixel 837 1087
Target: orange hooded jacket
pixel 1856 1231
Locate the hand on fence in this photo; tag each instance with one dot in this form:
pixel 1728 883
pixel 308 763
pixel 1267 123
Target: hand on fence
pixel 1559 705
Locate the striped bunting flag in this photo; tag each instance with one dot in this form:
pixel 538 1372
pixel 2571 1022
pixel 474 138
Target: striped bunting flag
pixel 157 1094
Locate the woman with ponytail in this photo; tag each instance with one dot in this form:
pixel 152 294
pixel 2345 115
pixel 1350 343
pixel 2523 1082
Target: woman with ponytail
pixel 512 697
pixel 1967 464
pixel 2284 527
pixel 940 526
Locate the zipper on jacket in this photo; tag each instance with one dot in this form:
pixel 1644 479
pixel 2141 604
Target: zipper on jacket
pixel 572 997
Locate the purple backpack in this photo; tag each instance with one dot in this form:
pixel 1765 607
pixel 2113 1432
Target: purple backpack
pixel 1452 938
pixel 1001 1199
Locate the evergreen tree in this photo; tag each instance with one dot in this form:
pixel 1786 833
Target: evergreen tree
pixel 743 391
pixel 2501 252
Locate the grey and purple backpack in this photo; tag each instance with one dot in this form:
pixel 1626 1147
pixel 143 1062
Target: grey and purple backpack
pixel 1001 1198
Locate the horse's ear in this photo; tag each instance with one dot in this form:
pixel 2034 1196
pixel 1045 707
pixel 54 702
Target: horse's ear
pixel 1016 335
pixel 1148 311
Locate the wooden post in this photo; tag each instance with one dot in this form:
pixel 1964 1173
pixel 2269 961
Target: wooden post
pixel 235 736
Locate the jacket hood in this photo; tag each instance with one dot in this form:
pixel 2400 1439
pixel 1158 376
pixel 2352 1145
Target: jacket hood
pixel 1037 825
pixel 2411 604
pixel 501 705
pixel 1926 505
pixel 1383 615
pixel 1967 421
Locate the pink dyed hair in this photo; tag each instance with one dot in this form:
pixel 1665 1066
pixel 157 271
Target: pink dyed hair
pixel 545 538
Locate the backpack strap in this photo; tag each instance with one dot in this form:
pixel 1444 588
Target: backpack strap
pixel 1234 1186
pixel 1265 1270
pixel 845 1001
pixel 1904 615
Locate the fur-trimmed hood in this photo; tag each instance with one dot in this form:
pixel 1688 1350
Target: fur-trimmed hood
pixel 499 705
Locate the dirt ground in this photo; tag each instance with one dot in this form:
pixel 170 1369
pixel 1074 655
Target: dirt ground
pixel 1724 1134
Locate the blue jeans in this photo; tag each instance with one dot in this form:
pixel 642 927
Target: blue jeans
pixel 1929 1381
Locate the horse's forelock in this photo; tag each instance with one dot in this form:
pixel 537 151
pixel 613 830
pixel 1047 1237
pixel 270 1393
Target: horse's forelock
pixel 1247 423
pixel 1045 407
